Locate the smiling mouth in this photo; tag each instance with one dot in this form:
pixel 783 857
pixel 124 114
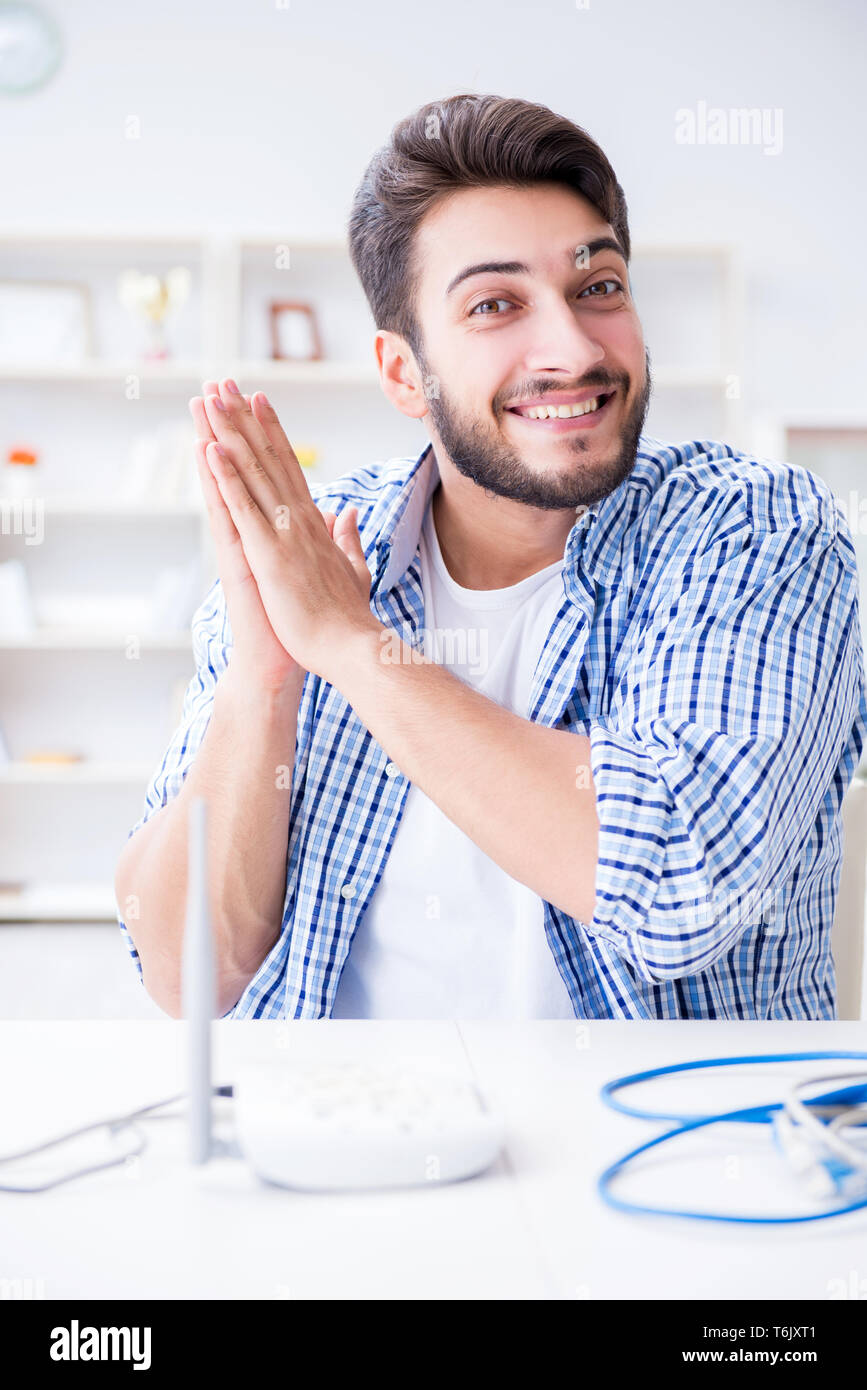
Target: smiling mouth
pixel 550 415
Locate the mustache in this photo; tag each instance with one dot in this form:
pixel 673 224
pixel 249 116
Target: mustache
pixel 603 380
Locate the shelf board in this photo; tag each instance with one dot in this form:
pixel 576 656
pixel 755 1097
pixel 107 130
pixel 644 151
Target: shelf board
pixel 70 639
pixel 86 772
pixel 172 373
pixel 59 902
pixel 97 236
pixel 690 378
pixel 325 373
pixel 854 420
pixel 260 241
pixel 306 373
pixel 77 507
pixel 712 251
pixel 190 375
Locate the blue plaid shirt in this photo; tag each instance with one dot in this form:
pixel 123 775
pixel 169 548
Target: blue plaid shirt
pixel 708 643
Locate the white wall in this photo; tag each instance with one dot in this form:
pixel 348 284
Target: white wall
pixel 265 114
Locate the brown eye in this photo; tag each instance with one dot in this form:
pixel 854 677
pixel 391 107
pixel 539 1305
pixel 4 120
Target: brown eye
pixel 598 285
pixel 482 304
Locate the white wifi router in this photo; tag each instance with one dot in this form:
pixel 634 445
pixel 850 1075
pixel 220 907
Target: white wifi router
pixel 325 1125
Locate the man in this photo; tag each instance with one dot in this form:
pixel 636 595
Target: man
pixel 614 790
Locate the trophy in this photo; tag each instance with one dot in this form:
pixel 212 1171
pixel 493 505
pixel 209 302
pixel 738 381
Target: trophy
pixel 154 299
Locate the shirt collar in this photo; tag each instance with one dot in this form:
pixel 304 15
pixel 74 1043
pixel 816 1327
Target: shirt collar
pixel 594 543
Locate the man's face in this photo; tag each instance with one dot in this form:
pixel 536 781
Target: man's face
pixel 561 330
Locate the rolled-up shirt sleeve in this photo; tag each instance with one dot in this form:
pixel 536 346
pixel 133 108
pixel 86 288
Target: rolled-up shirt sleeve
pixel 212 641
pixel 739 693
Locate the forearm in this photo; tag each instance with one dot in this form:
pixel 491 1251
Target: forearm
pixel 250 738
pixel 522 792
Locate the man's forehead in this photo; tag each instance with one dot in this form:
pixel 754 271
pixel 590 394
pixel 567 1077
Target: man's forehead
pixel 470 228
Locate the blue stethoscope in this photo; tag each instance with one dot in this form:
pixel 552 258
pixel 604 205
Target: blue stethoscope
pixel 816 1133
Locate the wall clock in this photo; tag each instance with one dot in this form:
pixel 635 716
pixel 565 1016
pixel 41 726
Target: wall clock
pixel 30 47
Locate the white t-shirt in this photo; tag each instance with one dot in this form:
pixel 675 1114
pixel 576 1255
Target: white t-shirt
pixel 448 933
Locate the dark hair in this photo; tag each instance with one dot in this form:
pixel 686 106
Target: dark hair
pixel 465 141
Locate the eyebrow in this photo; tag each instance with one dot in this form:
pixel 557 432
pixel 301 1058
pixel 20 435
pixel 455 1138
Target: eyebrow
pixel 601 243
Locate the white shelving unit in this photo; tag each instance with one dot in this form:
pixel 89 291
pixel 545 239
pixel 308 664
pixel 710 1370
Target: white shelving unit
pixel 691 302
pixel 86 640
pixel 76 685
pixel 62 774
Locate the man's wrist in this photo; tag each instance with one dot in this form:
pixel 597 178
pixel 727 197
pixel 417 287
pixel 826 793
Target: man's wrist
pixel 242 688
pixel 355 649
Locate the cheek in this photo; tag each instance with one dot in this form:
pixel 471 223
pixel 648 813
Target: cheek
pixel 497 376
pixel 626 341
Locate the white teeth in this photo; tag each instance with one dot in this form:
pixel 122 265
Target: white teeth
pixel 562 412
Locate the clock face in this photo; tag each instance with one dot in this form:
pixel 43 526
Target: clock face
pixel 30 47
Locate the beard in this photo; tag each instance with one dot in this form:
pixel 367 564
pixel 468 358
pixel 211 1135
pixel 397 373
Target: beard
pixel 499 468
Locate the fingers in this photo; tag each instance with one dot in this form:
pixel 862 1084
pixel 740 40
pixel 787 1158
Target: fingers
pixel 248 429
pixel 196 406
pixel 243 600
pixel 266 416
pixel 200 419
pixel 200 414
pixel 255 527
pixel 252 464
pixel 197 410
pixel 345 535
pixel 270 447
pixel 346 528
pixel 231 561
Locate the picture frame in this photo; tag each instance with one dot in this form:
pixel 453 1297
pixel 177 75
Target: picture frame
pixel 45 323
pixel 294 332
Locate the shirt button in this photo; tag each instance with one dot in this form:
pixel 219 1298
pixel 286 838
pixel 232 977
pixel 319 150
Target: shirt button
pixel 392 770
pixel 347 891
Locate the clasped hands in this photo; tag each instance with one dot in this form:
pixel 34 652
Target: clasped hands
pixel 295 579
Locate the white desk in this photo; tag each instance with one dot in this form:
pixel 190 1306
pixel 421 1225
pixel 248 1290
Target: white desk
pixel 532 1227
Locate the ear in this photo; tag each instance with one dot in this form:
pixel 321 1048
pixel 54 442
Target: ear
pixel 399 374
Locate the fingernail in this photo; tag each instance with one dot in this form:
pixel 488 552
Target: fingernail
pixel 230 385
pixel 218 403
pixel 264 399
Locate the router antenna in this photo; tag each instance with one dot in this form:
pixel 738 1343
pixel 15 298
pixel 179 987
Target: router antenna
pixel 198 984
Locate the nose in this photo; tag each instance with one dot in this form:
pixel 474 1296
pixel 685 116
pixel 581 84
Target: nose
pixel 560 342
